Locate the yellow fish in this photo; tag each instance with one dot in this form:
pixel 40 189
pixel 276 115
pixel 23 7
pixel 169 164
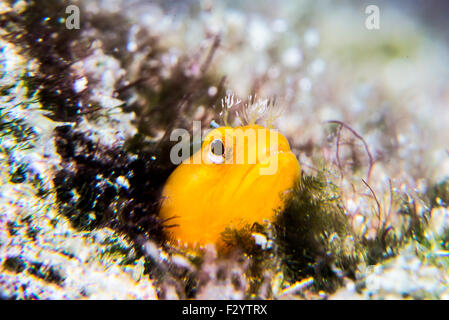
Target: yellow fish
pixel 239 176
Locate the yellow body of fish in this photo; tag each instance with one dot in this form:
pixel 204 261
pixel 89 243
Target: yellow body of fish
pixel 240 176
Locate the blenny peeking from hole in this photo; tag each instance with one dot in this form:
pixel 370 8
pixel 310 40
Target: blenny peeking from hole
pixel 240 176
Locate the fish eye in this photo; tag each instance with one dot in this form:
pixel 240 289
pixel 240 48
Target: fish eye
pixel 217 147
pixel 216 152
